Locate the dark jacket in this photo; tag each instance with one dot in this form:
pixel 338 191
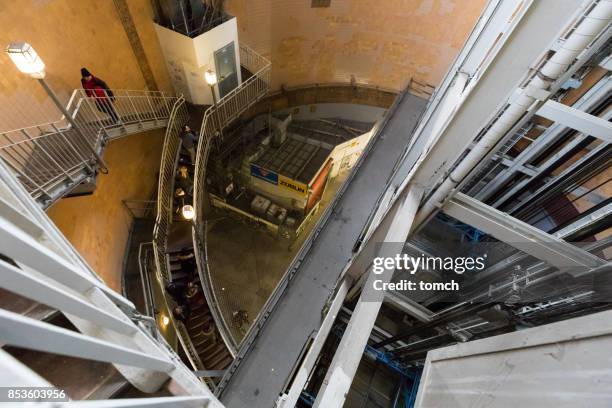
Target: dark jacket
pixel 189 139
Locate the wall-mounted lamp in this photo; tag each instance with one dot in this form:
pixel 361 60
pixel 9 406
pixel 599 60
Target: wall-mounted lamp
pixel 26 59
pixel 211 79
pixel 164 321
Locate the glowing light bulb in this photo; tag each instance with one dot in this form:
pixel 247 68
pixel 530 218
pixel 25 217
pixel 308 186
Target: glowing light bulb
pixel 188 212
pixel 26 59
pixel 211 77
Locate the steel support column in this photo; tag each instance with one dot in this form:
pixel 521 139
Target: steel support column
pixel 312 355
pixel 519 234
pixel 408 306
pixel 348 355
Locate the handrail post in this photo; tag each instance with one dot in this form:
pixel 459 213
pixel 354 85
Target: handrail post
pixel 70 120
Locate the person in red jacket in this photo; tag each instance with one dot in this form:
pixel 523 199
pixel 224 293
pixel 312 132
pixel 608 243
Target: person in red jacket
pixel 97 88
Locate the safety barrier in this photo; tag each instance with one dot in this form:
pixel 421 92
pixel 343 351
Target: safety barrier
pixel 216 118
pixel 170 153
pixel 51 158
pixel 40 265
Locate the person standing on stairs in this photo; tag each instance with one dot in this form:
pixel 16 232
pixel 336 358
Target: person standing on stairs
pixel 96 88
pixel 189 140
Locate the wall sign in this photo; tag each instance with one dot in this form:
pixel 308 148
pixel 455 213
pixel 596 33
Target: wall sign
pixel 263 174
pixel 292 185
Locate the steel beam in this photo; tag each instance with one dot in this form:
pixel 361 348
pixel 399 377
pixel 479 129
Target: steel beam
pixel 15 194
pixel 592 98
pixel 576 119
pixel 15 374
pixel 533 31
pixel 20 219
pixel 21 247
pixel 43 290
pixel 408 306
pixel 602 150
pixel 519 234
pixel 344 365
pixel 312 355
pixel 24 332
pixel 585 222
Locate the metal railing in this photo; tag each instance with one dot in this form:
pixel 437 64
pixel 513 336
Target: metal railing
pixel 35 267
pixel 279 290
pixel 141 209
pixel 216 118
pixel 165 188
pixel 50 158
pixel 170 154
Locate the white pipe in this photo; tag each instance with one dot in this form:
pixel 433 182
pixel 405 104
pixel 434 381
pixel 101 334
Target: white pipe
pixel 592 24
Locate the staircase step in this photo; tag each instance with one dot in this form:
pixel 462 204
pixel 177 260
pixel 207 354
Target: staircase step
pixel 219 354
pixel 198 324
pixel 179 275
pixel 207 348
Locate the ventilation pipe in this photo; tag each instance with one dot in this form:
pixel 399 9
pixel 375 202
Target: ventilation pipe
pixel 586 30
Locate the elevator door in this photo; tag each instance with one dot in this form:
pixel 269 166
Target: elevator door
pixel 225 64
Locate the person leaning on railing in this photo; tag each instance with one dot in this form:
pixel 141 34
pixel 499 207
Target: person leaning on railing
pixel 189 140
pixel 96 88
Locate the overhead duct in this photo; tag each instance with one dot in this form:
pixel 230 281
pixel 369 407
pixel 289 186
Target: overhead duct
pixel 590 25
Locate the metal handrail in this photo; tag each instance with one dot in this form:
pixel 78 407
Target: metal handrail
pixel 170 153
pixel 54 156
pixel 103 332
pixel 210 294
pixel 216 118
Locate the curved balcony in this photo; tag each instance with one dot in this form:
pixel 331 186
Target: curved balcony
pixel 216 119
pixel 50 159
pixel 175 268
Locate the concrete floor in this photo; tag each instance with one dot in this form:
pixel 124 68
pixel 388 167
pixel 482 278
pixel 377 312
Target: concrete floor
pixel 246 270
pixel 260 377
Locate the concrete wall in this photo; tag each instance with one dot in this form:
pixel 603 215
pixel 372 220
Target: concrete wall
pixel 382 43
pixel 314 96
pixel 68 35
pixel 98 225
